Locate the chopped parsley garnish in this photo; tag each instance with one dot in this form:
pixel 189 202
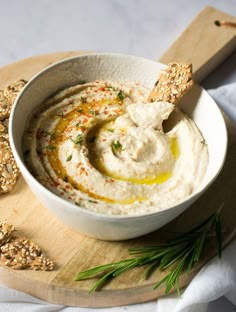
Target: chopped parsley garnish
pixel 53 136
pixel 78 139
pixel 78 124
pixel 111 87
pixel 69 157
pixel 110 130
pixel 80 110
pixel 116 146
pixel 83 99
pixel 51 147
pixel 120 95
pixel 93 112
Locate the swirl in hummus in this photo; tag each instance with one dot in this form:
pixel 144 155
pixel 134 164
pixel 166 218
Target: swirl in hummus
pixel 101 146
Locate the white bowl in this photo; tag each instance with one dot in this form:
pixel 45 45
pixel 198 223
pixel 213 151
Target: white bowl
pixel 197 104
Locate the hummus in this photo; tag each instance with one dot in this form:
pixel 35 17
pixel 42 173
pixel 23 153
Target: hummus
pixel 101 146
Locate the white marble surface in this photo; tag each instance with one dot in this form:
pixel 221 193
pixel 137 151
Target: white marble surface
pixel 140 27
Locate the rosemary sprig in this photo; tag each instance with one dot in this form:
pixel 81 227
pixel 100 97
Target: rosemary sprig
pixel 178 255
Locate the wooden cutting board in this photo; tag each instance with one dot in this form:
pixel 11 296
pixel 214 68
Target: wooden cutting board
pixel 73 252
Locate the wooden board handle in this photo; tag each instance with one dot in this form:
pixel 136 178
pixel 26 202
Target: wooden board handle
pixel 203 43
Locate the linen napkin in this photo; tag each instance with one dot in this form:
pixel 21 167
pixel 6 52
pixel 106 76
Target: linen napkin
pixel 216 279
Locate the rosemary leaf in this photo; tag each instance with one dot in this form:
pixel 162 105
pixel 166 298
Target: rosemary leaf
pixel 93 271
pixel 101 281
pixel 150 269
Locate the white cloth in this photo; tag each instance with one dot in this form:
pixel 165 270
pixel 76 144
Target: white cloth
pixel 216 279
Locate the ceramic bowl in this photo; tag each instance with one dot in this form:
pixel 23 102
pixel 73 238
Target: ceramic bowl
pixel 106 66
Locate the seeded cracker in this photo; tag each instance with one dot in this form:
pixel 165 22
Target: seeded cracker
pixel 172 84
pixel 13 90
pixel 6 231
pixel 22 253
pixel 4 129
pixel 8 96
pixel 8 169
pixel 5 106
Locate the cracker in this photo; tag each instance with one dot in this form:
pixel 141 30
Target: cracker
pixel 4 128
pixel 6 231
pixel 5 106
pixel 8 169
pixel 173 82
pixel 22 253
pixel 13 90
pixel 8 96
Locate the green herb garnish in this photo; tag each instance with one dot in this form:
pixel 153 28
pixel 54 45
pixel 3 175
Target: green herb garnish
pixel 178 255
pixel 53 136
pixel 120 95
pixel 83 100
pixel 93 112
pixel 78 139
pixel 110 130
pixel 111 87
pixel 51 147
pixel 116 146
pixel 69 157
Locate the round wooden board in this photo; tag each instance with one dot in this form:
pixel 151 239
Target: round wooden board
pixel 73 252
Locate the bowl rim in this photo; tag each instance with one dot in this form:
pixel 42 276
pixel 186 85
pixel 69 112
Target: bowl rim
pixel 69 205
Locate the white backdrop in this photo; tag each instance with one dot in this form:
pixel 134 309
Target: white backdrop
pixel 140 27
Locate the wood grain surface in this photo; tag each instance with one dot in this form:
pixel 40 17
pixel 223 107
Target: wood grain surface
pixel 203 44
pixel 73 252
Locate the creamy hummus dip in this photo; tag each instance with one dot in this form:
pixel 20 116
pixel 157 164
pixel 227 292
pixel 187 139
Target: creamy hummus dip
pixel 101 146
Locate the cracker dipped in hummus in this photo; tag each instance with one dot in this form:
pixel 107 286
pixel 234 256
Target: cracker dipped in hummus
pixel 102 145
